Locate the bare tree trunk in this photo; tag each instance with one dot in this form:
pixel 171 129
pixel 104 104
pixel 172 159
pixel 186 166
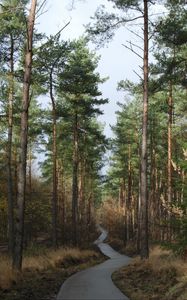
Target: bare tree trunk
pixel 75 183
pixel 170 118
pixel 170 121
pixel 129 198
pixel 30 172
pixel 81 196
pixel 15 173
pixel 144 247
pixel 9 151
pixel 138 205
pixel 54 197
pixel 153 208
pixel 18 249
pixel 61 198
pixel 122 193
pixel 89 209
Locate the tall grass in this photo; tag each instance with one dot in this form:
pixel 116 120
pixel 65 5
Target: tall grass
pixel 161 259
pixel 47 259
pixel 162 277
pixel 164 265
pixel 7 276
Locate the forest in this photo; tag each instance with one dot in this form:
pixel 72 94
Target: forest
pixel 61 175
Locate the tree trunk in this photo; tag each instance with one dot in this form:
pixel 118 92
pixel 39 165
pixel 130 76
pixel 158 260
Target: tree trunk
pixel 153 207
pixel 129 198
pixel 170 118
pixel 54 197
pixel 61 198
pixel 122 195
pixel 138 204
pixel 82 185
pixel 75 183
pixel 81 196
pixel 30 172
pixel 9 151
pixel 144 248
pixel 18 249
pixel 15 172
pixel 170 121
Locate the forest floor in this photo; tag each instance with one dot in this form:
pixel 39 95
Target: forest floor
pixel 44 274
pixel 162 277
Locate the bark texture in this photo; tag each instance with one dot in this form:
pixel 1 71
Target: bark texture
pixel 169 190
pixel 9 151
pixel 18 249
pixel 54 196
pixel 170 121
pixel 144 248
pixel 75 183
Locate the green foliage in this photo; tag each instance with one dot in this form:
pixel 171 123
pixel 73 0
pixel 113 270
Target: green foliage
pixel 13 25
pixel 126 4
pixel 37 214
pixel 103 29
pixel 125 145
pixel 77 95
pixel 122 181
pixel 68 71
pixel 49 59
pixel 78 76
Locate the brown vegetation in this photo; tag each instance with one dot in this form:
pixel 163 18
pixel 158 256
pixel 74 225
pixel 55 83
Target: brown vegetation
pixel 44 273
pixel 162 277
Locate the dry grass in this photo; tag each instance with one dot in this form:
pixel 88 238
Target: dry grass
pixel 161 259
pixel 50 259
pixel 63 257
pixel 162 277
pixel 7 277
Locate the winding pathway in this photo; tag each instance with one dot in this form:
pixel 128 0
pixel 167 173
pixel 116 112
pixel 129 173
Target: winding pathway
pixel 95 283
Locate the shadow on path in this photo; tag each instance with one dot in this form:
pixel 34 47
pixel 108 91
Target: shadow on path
pixel 95 283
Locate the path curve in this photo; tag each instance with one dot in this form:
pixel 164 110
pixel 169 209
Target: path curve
pixel 95 283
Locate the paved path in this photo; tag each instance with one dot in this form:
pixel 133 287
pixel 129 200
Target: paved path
pixel 95 283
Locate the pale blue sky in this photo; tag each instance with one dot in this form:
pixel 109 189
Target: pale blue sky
pixel 116 62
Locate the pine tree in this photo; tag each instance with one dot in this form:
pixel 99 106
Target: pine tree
pixel 18 249
pixel 106 23
pixel 79 86
pixel 12 20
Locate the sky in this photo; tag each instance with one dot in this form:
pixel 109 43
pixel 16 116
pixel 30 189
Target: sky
pixel 116 61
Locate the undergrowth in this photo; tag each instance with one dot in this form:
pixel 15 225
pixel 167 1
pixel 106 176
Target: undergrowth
pixel 41 268
pixel 162 277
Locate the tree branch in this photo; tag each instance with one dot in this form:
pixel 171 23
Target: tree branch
pixel 41 6
pixel 42 13
pixel 59 32
pixel 132 50
pixel 132 44
pixel 138 75
pixel 120 22
pixel 136 34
